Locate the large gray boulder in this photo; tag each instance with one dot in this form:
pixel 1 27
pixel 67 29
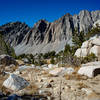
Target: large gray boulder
pixel 90 69
pixel 15 83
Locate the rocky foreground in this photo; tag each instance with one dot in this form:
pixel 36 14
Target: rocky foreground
pixel 48 82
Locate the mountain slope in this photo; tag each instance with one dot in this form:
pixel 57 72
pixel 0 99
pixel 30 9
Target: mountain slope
pixel 45 36
pixel 14 32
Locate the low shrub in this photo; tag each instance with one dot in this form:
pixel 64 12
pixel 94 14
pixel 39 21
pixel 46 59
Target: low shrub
pixel 49 55
pixel 93 31
pixel 52 60
pixel 91 57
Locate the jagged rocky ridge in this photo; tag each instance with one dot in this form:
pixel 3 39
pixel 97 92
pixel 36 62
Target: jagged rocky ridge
pixel 45 36
pixel 14 32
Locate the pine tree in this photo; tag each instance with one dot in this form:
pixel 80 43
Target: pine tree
pixel 78 38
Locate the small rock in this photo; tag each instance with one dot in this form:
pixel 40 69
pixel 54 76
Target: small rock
pixel 25 60
pixel 24 67
pixel 57 71
pixel 87 90
pixel 50 66
pixel 49 86
pixel 51 81
pixel 70 70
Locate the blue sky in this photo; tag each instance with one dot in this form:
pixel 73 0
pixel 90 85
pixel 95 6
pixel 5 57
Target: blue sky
pixel 30 11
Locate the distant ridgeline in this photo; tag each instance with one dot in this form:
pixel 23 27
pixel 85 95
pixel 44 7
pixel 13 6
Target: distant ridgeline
pixel 45 36
pixel 5 48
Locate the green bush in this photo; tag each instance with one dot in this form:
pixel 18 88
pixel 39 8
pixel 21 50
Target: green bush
pixel 49 55
pixel 78 38
pixel 67 49
pixel 31 56
pixel 5 48
pixel 89 58
pixel 67 57
pixel 39 62
pixel 93 31
pixel 52 60
pixel 21 56
pixel 10 50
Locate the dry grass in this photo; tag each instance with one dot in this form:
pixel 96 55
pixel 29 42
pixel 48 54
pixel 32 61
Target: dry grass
pixel 82 85
pixel 47 61
pixel 93 96
pixel 11 69
pixel 75 76
pixel 6 90
pixel 45 73
pixel 20 62
pixel 50 75
pixel 31 89
pixel 2 79
pixel 63 65
pixel 28 64
pixel 31 74
pixel 77 68
pixel 67 77
pixel 67 65
pixel 72 77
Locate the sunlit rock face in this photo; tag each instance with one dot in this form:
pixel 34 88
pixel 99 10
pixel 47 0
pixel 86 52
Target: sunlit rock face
pixel 97 23
pixel 90 69
pixel 90 46
pixel 15 83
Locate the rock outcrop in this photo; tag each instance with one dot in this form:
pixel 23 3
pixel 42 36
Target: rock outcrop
pixel 45 36
pixel 15 83
pixel 14 32
pixel 90 69
pixel 96 23
pixel 90 46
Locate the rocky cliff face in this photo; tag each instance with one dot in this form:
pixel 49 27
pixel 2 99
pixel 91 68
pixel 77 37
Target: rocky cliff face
pixel 14 32
pixel 45 36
